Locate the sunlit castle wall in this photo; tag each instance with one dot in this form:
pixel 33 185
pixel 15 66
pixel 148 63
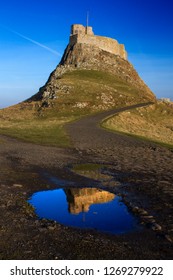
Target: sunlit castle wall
pixel 85 35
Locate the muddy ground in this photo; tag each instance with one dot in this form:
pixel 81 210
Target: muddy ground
pixel 141 172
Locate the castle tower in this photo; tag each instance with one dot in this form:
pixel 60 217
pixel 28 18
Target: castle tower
pixel 77 29
pixel 81 30
pixel 85 35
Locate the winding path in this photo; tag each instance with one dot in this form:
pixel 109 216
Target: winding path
pixel 87 133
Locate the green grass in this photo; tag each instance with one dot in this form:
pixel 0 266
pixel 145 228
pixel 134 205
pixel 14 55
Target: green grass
pixel 98 78
pixel 90 91
pixel 40 132
pixel 86 167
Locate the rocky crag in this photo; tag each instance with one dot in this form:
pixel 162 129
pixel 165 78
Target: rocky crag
pixel 84 52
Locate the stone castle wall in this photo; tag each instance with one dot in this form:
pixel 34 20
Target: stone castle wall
pixel 85 35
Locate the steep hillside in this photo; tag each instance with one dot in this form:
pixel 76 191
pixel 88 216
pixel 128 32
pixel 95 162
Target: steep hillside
pixel 84 62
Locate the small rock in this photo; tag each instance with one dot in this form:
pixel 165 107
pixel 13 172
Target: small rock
pixel 9 203
pixel 151 221
pixel 142 211
pixel 156 227
pixel 135 209
pixel 114 184
pixel 168 238
pixel 22 220
pixel 147 217
pixel 42 229
pixel 51 227
pixel 17 185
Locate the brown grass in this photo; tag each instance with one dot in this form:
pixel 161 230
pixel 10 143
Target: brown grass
pixel 154 122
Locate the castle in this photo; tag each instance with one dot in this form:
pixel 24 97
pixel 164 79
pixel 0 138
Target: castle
pixel 85 35
pixel 80 200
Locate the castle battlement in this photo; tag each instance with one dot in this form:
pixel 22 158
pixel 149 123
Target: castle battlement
pixel 85 35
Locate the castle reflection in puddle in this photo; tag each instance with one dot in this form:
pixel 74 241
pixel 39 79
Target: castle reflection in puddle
pixel 87 208
pixel 80 200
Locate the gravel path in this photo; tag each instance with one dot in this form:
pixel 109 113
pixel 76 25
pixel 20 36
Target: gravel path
pixel 87 133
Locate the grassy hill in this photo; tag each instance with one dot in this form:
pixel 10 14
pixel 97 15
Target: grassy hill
pixel 80 92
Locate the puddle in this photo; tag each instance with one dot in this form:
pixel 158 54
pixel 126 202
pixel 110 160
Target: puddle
pixel 88 208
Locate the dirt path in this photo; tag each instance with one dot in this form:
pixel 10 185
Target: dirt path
pixel 87 133
pixel 141 172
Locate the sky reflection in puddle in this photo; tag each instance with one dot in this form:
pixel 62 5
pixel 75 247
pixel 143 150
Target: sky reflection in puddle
pixel 89 208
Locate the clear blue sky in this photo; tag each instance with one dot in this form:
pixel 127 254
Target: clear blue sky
pixel 34 34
